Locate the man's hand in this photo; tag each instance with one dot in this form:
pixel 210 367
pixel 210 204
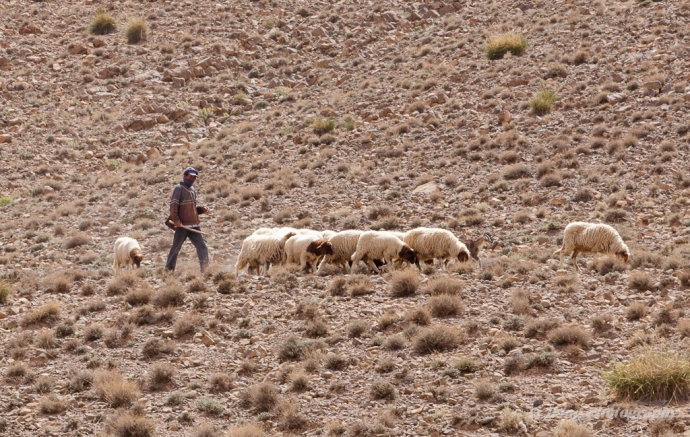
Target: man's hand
pixel 177 223
pixel 202 210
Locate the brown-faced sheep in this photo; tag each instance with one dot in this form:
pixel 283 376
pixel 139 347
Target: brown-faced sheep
pixel 436 243
pixel 127 253
pixel 582 237
pixel 307 249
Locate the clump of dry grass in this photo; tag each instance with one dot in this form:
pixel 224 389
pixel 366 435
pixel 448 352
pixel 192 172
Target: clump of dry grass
pixel 445 285
pixel 635 311
pixel 292 349
pixel 291 420
pixel 47 313
pixel 323 125
pixel 404 283
pixel 602 323
pixel 569 428
pixel 512 422
pixel 653 375
pixel 356 328
pixel 102 24
pixel 261 397
pixel 516 171
pixel 169 296
pixel 438 338
pixel 112 388
pixel 485 390
pixel 445 306
pixel 16 372
pixel 383 390
pixel 246 430
pixel 52 405
pixel 75 240
pixel 126 424
pixel 520 301
pixel 4 291
pixel 335 361
pixel 640 281
pixel 187 324
pixel 683 327
pixel 156 347
pixel 498 45
pixel 136 31
pixel 607 264
pixel 139 297
pixel 221 382
pixel 542 101
pixel 160 377
pixel 570 335
pixel 80 381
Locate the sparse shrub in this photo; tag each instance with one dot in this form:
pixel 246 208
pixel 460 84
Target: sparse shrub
pixel 601 323
pixel 640 281
pixel 299 381
pixel 404 283
pixel 436 339
pixel 684 327
pixel 651 376
pixel 323 125
pixel 139 297
pixel 52 405
pixel 356 328
pixel 607 264
pixel 169 296
pixel 46 339
pixel 102 24
pixel 543 101
pixel 220 382
pixel 445 285
pixel 292 349
pixel 683 277
pixel 93 332
pixel 485 390
pixel 210 406
pixel 616 215
pixel 316 328
pixel 338 287
pixel 44 384
pixel 583 195
pixel 136 31
pixel 334 361
pixel 112 388
pixel 196 286
pixel 246 430
pixel 511 421
pixel 465 365
pixel 76 240
pixel 144 315
pixel 635 311
pixel 261 397
pixel 519 300
pixel 516 171
pixel 160 376
pixel 498 45
pixel 16 372
pixel 80 381
pixel 419 316
pixel 359 285
pixel 394 342
pixel 47 313
pixel 570 428
pixel 187 325
pixel 665 316
pixel 567 335
pixel 155 347
pixel 387 320
pixel 383 390
pixel 445 306
pixel 291 419
pixel 226 286
pixel 129 425
pixel 207 430
pixel 4 291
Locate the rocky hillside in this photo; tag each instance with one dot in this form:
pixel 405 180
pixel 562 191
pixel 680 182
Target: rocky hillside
pixel 337 115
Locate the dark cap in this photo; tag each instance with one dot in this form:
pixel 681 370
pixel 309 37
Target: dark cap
pixel 192 171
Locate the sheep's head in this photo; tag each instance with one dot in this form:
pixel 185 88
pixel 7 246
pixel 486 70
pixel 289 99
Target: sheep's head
pixel 136 256
pixel 320 247
pixel 623 255
pixel 408 254
pixel 464 255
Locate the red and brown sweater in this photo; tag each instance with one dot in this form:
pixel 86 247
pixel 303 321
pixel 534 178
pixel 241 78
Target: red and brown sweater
pixel 183 205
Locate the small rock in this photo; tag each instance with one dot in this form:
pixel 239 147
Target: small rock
pixel 5 139
pixel 77 49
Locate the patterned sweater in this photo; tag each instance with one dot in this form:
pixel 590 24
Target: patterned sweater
pixel 183 205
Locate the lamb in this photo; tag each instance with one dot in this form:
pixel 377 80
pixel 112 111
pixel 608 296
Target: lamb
pixel 592 238
pixel 261 251
pixel 436 243
pixel 382 245
pixel 127 253
pixel 343 244
pixel 307 249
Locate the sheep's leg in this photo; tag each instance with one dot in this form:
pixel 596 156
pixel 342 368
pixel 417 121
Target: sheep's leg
pixel 115 266
pixel 573 259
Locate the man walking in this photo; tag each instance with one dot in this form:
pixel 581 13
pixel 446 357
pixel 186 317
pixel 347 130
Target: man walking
pixel 185 216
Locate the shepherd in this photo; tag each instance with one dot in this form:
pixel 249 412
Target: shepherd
pixel 184 219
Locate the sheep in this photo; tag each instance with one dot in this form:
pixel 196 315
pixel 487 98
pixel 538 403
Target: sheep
pixel 343 244
pixel 127 253
pixel 261 251
pixel 436 243
pixel 307 249
pixel 382 245
pixel 278 232
pixel 592 238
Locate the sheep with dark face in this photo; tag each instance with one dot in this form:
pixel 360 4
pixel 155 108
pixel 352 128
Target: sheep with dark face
pixel 306 249
pixel 344 244
pixel 127 253
pixel 382 245
pixel 582 237
pixel 436 243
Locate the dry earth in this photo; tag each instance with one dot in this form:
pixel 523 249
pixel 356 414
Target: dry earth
pixel 94 132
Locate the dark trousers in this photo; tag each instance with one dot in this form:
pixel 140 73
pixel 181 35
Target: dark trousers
pixel 197 240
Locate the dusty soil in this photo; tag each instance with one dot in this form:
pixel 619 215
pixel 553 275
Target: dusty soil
pixel 94 133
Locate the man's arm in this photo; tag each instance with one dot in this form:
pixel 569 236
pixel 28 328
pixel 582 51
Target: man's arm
pixel 175 206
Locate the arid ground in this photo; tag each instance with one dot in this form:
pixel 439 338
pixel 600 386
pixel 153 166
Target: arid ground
pixel 338 115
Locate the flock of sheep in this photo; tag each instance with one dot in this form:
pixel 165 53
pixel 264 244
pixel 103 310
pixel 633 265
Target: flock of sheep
pixel 310 249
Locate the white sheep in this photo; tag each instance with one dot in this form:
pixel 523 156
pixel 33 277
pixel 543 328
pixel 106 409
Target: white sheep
pixel 382 245
pixel 261 251
pixel 127 253
pixel 278 232
pixel 591 238
pixel 306 249
pixel 436 243
pixel 343 244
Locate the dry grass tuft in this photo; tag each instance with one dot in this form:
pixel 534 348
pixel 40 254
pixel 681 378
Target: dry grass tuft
pixel 542 101
pixel 112 388
pixel 156 347
pixel 169 296
pixel 246 430
pixel 102 24
pixel 160 377
pixel 261 397
pixel 136 31
pixel 47 313
pixel 607 264
pixel 419 316
pixel 498 45
pixel 512 422
pixel 651 376
pixel 323 125
pixel 187 325
pixel 683 327
pixel 291 419
pixel 445 285
pixel 635 311
pixel 52 405
pixel 404 283
pixel 4 291
pixel 520 301
pixel 356 328
pixel 221 382
pixel 436 339
pixel 569 428
pixel 485 390
pixel 640 281
pixel 383 390
pixel 139 297
pixel 570 335
pixel 128 425
pixel 445 306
